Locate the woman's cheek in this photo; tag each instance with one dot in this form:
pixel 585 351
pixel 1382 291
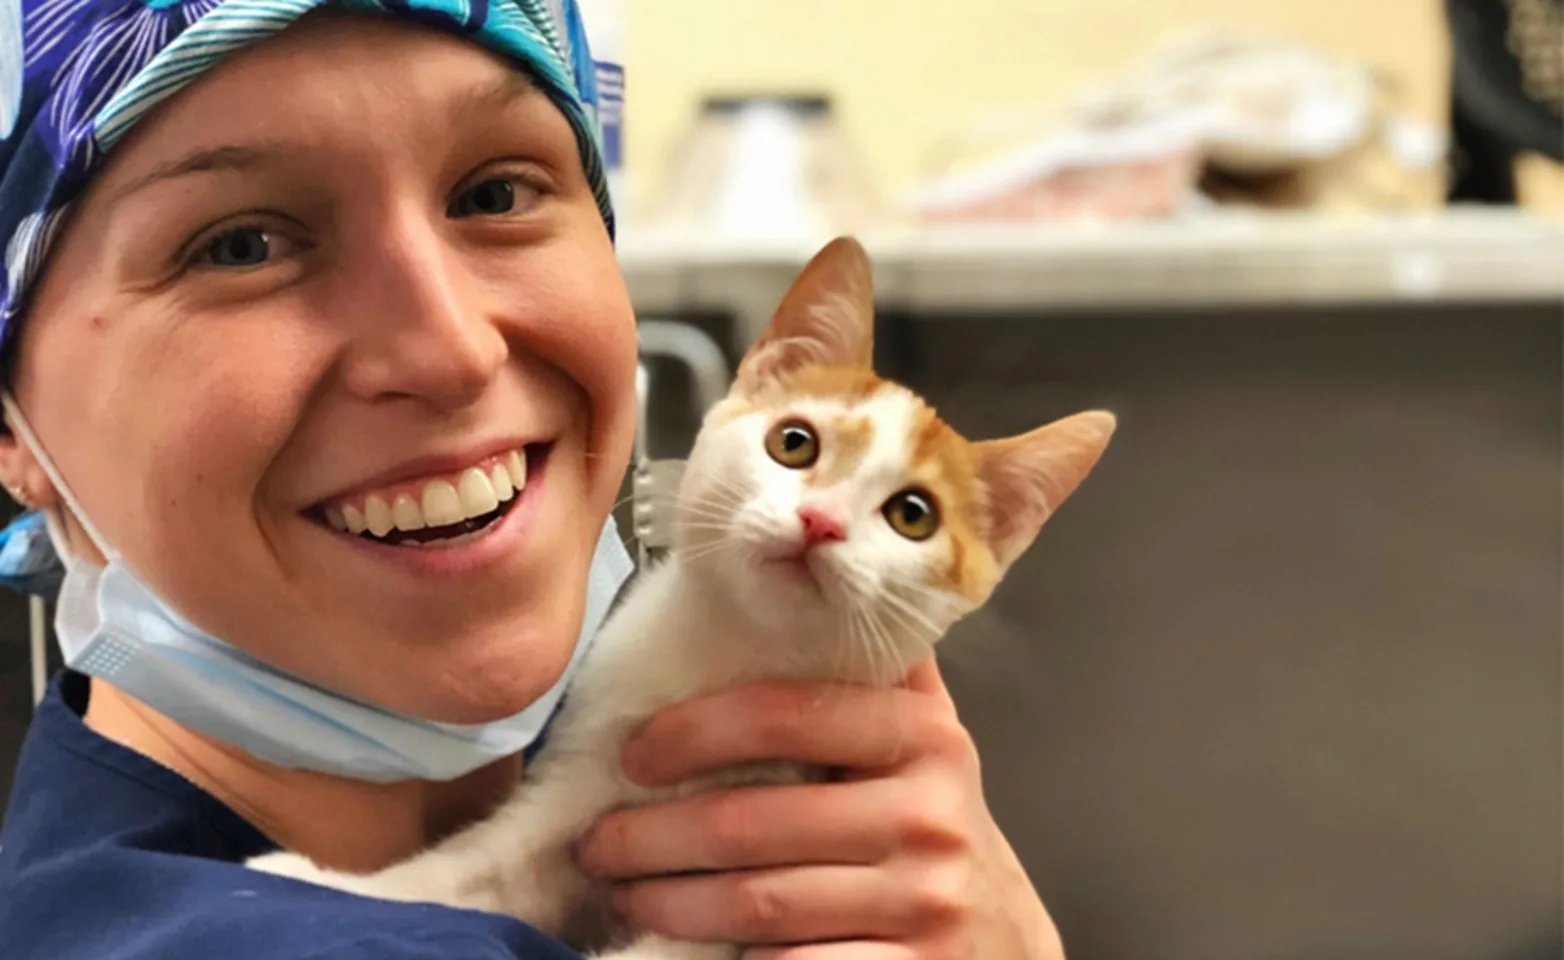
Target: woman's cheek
pixel 590 329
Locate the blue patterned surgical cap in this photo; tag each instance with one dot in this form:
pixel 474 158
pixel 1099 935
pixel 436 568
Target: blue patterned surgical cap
pixel 75 75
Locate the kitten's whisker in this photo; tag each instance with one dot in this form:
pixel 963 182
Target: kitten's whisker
pixel 907 630
pixel 916 616
pixel 891 663
pixel 706 545
pixel 708 548
pixel 867 641
pixel 729 484
pixel 907 620
pixel 873 646
pixel 726 487
pixel 724 531
pixel 711 501
pixel 703 512
pixel 879 646
pixel 942 600
pixel 711 508
pixel 856 581
pixel 848 650
pixel 895 656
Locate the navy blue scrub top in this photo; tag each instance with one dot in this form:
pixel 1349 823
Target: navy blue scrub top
pixel 106 855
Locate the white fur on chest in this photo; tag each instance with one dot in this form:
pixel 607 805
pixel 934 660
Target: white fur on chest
pixel 670 640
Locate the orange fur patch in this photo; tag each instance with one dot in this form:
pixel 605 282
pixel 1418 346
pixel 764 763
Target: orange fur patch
pixel 849 440
pixel 845 383
pixel 946 464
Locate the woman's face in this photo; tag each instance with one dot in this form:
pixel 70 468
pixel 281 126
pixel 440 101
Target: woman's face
pixel 359 262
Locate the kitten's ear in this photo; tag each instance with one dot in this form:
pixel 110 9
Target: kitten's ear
pixel 826 318
pixel 1029 476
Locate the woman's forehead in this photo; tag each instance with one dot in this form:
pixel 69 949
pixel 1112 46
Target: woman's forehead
pixel 347 77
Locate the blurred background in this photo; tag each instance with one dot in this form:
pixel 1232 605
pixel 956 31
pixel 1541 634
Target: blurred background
pixel 1284 680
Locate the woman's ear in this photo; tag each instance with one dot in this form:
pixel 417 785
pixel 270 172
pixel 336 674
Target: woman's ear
pixel 21 474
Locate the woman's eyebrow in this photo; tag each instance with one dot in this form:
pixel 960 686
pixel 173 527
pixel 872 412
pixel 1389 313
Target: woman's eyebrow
pixel 207 160
pixel 513 85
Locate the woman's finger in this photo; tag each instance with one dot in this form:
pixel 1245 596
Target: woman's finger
pixel 851 823
pixel 926 678
pixel 830 725
pixel 782 906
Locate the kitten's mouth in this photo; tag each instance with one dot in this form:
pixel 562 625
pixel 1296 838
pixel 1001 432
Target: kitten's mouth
pixel 442 511
pixel 795 565
pixel 792 566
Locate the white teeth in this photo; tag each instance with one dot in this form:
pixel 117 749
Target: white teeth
pixel 500 481
pixel 478 496
pixel 518 469
pixel 475 493
pixel 406 514
pixel 378 516
pixel 442 506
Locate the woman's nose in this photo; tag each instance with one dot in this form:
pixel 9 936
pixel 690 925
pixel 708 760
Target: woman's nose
pixel 421 331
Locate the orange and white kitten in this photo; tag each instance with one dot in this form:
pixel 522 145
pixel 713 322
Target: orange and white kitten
pixel 829 525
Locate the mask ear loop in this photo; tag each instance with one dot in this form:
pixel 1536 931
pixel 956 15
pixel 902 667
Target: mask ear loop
pixel 13 414
pixel 38 646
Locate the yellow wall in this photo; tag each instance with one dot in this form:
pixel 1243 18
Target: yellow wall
pixel 903 72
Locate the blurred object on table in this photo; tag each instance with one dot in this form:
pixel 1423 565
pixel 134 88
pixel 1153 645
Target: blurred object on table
pixel 1506 92
pixel 1213 118
pixel 1114 170
pixel 767 166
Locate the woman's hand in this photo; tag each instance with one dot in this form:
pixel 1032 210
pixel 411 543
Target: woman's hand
pixel 896 858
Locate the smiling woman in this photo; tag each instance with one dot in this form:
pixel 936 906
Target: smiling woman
pixel 386 303
pixel 359 302
pixel 319 377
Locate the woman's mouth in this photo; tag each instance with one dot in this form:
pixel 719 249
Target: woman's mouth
pixel 437 511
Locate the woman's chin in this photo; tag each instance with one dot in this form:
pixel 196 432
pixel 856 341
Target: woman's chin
pixel 493 675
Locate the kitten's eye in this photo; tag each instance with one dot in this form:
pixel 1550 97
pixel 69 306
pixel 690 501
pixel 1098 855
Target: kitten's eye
pixel 913 514
pixel 793 444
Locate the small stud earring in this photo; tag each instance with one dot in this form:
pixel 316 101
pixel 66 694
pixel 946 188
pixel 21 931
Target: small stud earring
pixel 20 496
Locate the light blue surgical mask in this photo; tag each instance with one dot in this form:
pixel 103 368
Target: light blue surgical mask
pixel 111 625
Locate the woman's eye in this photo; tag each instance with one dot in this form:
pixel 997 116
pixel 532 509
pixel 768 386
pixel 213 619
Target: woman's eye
pixel 487 199
pixel 913 514
pixel 240 247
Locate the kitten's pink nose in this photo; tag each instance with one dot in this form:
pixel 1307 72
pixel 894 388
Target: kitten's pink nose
pixel 820 527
